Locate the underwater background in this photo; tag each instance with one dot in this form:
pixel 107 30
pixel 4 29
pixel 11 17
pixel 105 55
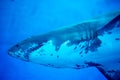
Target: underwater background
pixel 20 19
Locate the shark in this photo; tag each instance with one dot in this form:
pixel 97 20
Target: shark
pixel 90 43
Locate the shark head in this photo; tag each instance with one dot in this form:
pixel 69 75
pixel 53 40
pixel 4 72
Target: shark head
pixel 23 49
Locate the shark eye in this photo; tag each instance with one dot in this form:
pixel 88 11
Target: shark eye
pixel 17 45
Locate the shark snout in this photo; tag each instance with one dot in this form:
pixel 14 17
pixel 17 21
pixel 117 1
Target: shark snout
pixel 13 49
pixel 17 52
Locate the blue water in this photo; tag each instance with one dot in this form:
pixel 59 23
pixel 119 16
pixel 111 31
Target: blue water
pixel 20 19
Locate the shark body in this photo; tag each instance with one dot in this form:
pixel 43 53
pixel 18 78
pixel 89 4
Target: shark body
pixel 94 42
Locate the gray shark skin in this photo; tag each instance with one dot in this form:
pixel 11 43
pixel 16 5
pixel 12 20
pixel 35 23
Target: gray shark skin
pixel 94 42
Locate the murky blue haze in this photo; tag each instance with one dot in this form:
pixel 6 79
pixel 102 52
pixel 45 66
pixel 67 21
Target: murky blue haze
pixel 20 19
